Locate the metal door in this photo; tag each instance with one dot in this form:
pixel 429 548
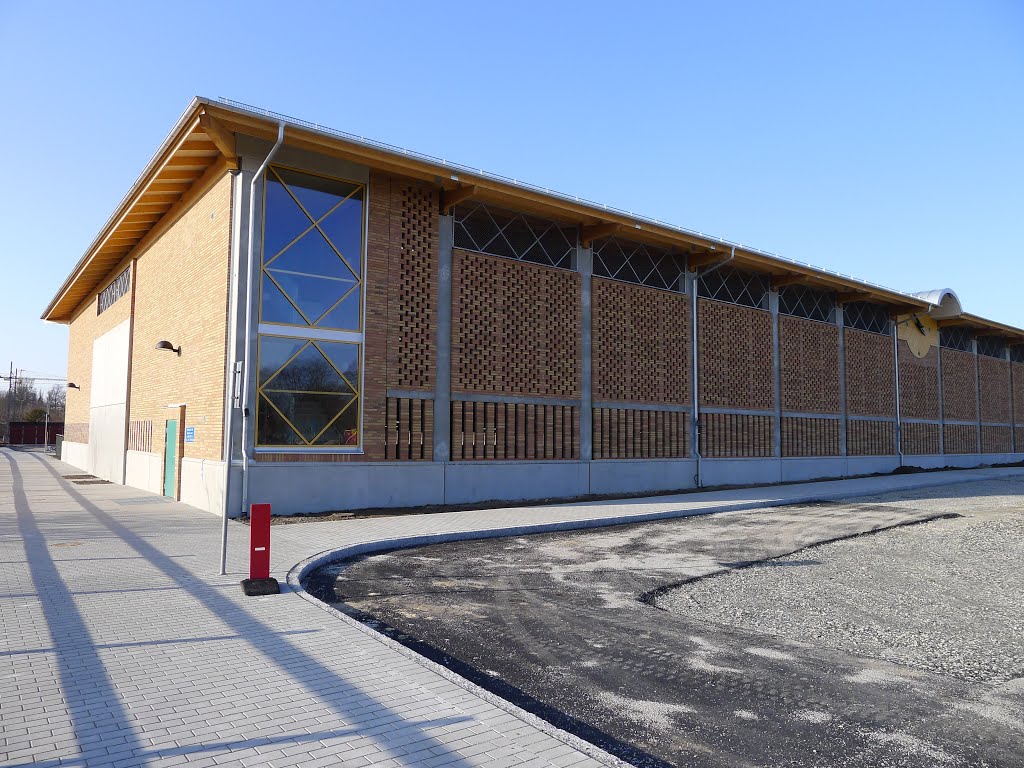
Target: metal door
pixel 170 456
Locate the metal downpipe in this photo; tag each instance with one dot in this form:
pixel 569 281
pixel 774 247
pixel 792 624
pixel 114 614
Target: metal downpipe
pixel 695 448
pixel 246 416
pixel 896 366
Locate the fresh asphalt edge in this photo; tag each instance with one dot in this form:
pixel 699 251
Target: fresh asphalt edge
pixel 298 573
pixel 651 596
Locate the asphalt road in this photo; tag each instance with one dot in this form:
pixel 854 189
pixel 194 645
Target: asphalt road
pixel 740 639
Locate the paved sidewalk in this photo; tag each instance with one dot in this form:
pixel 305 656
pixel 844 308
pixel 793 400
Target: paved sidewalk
pixel 119 646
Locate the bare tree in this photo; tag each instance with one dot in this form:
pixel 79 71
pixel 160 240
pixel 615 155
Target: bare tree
pixel 56 396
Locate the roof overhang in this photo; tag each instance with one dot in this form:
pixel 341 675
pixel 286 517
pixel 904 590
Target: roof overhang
pixel 202 146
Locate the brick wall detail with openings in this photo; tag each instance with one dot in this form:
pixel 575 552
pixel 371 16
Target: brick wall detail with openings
pixel 960 438
pixel 809 366
pixel 515 327
pixel 140 435
pixel 870 438
pixel 996 439
pixel 409 429
pixel 804 436
pixel 920 439
pixel 641 344
pixel 412 278
pixel 627 433
pixel 994 376
pixel 1017 372
pixel 959 386
pixel 513 431
pixel 919 383
pixel 736 368
pixel 732 435
pixel 870 384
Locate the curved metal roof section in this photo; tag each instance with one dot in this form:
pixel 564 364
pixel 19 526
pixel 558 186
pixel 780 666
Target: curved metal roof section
pixel 945 301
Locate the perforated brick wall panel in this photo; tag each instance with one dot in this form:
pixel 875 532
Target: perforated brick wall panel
pixel 959 385
pixel 960 438
pixel 736 358
pixel 870 438
pixel 1018 396
pixel 810 437
pixel 627 433
pixel 515 327
pixel 870 383
pixel 412 278
pixel 729 435
pixel 920 439
pixel 1019 437
pixel 809 366
pixel 640 344
pixel 919 383
pixel 513 431
pixel 994 376
pixel 996 439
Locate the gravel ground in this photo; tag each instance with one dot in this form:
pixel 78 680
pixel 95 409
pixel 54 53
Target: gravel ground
pixel 739 639
pixel 943 597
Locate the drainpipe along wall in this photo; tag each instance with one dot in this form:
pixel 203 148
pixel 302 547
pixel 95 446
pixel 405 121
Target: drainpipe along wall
pixel 694 345
pixel 247 342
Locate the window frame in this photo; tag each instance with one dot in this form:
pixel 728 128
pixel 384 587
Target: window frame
pixel 311 333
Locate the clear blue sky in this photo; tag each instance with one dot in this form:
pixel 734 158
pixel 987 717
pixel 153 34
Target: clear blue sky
pixel 883 140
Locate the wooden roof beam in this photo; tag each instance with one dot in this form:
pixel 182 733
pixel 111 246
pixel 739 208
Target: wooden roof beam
pixel 452 197
pixel 596 231
pixel 701 259
pixel 845 297
pixel 785 279
pixel 221 137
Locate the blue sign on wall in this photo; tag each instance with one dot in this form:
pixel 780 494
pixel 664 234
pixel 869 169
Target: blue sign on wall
pixel 190 434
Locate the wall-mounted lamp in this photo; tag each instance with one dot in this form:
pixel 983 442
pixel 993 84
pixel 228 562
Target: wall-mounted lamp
pixel 169 347
pixel 72 385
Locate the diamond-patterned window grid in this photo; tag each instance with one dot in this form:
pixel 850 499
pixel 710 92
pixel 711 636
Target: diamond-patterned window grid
pixel 497 232
pixel 312 251
pixel 118 287
pixel 634 262
pixel 992 346
pixel 809 303
pixel 735 286
pixel 308 392
pixel 1017 353
pixel 955 338
pixel 867 316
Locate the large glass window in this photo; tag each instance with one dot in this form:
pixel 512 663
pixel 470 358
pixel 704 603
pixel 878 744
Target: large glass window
pixel 311 305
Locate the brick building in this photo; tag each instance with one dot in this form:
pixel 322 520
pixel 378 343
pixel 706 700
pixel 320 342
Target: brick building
pixel 279 312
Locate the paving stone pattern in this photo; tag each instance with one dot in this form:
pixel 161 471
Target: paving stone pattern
pixel 121 647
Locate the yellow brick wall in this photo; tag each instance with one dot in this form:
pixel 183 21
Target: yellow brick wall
pixel 181 296
pixel 84 329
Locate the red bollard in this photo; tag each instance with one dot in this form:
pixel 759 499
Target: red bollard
pixel 259 581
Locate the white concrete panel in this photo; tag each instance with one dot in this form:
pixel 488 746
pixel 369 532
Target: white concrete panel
pixel 107 442
pixel 75 454
pixel 144 470
pixel 202 484
pixel 110 367
pixel 467 482
pixel 108 404
pixel 740 472
pixel 640 475
pixel 795 470
pixel 301 488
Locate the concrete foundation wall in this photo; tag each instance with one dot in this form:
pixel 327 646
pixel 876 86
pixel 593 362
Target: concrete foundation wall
pixel 202 484
pixel 639 476
pixel 75 454
pixel 144 470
